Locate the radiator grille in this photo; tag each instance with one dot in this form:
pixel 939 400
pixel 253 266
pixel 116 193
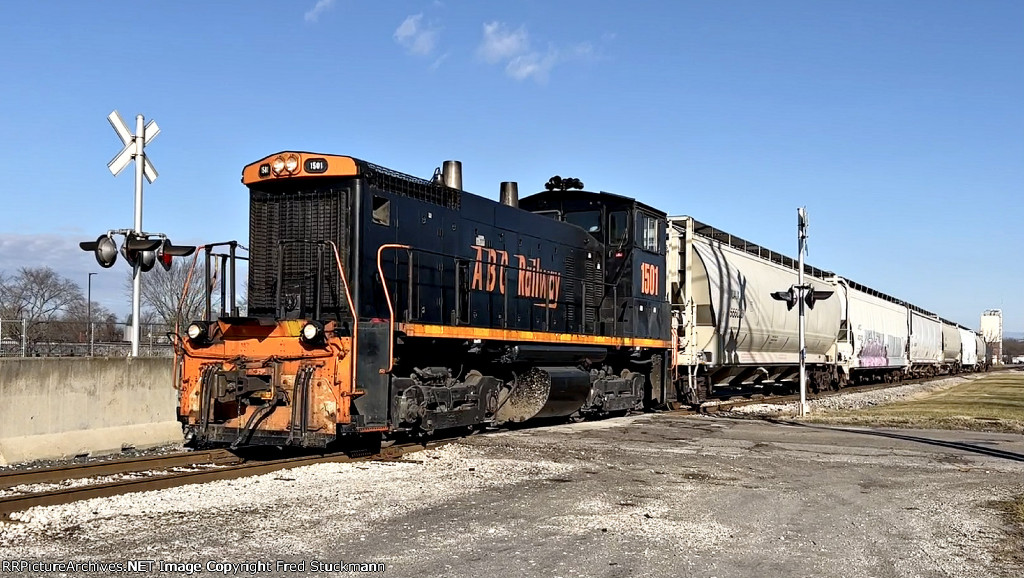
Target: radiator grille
pixel 320 213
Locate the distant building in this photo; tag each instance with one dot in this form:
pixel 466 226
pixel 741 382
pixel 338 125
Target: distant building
pixel 992 333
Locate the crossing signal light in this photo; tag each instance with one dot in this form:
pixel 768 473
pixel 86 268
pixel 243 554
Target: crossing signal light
pixel 166 252
pixel 813 296
pixel 788 296
pixel 137 250
pixel 810 296
pixel 105 249
pixel 140 251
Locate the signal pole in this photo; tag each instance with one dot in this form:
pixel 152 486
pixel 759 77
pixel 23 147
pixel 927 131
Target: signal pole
pixel 140 132
pixel 801 224
pixel 134 149
pixel 804 294
pixel 88 314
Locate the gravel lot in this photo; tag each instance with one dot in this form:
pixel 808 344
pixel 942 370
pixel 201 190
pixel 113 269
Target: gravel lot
pixel 652 495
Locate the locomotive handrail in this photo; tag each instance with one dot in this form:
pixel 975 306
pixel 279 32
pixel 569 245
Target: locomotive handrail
pixel 387 297
pixel 351 307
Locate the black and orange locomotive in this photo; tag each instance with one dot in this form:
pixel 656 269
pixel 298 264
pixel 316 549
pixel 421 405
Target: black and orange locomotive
pixel 381 303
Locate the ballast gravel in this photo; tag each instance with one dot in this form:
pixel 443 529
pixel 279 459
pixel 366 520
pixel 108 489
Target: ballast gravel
pixel 856 399
pixel 662 495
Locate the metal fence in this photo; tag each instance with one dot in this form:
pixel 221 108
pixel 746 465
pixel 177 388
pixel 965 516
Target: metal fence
pixel 23 338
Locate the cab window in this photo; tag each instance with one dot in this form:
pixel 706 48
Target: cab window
pixel 618 227
pixel 649 235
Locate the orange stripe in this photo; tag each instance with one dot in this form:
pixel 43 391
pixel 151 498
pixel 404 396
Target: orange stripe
pixel 336 167
pixel 461 332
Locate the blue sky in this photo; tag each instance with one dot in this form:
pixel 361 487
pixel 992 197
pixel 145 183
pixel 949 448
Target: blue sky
pixel 899 125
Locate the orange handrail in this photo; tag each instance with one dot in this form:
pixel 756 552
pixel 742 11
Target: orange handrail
pixel 391 309
pixel 351 307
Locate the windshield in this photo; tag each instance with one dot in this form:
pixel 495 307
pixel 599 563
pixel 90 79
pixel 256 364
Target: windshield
pixel 590 221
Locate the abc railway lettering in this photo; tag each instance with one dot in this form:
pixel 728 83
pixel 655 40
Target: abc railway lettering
pixel 534 282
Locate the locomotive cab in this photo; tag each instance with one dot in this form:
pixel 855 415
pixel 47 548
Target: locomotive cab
pixel 633 237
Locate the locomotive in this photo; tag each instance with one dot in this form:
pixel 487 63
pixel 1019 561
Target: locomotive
pixel 379 302
pixel 383 304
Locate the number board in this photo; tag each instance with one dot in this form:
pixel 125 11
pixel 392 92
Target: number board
pixel 316 165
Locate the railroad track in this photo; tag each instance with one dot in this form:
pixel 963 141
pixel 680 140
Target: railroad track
pixel 168 471
pixel 161 472
pixel 115 467
pixel 739 400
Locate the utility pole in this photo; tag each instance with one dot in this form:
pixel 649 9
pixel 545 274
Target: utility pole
pixel 88 314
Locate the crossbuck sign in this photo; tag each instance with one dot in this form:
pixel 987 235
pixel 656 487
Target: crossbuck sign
pixel 131 148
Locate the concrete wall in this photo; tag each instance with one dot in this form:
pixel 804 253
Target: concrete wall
pixel 63 407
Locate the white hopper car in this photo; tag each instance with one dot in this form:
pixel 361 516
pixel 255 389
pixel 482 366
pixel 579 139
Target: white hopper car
pixel 730 333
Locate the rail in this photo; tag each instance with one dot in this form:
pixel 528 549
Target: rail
pixel 169 478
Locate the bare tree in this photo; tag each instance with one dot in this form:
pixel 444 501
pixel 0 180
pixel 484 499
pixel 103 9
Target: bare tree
pixel 38 295
pixel 162 294
pixel 76 321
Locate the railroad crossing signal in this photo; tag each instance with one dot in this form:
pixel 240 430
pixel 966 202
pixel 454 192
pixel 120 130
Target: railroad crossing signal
pixel 791 297
pixel 146 249
pixel 130 146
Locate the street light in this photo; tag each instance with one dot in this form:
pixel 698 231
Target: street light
pixel 88 308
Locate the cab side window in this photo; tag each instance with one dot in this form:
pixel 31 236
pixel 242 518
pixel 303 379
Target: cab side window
pixel 618 227
pixel 649 234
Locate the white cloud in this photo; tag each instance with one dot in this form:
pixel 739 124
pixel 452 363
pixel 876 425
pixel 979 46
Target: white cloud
pixel 437 62
pixel 416 37
pixel 532 64
pixel 321 6
pixel 500 43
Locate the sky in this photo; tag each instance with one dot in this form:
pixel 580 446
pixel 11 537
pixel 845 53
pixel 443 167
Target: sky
pixel 898 125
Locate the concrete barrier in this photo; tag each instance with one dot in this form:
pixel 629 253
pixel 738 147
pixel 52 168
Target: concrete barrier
pixel 64 407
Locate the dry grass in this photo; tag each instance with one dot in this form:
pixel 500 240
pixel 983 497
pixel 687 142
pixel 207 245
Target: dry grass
pixel 994 402
pixel 1016 510
pixel 1013 545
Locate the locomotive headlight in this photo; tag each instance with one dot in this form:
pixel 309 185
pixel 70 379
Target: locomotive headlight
pixel 278 165
pixel 291 163
pixel 312 332
pixel 197 332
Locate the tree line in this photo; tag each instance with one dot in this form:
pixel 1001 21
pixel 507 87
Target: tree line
pixel 54 307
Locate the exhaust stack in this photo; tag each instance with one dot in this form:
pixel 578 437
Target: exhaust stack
pixel 510 193
pixel 451 174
